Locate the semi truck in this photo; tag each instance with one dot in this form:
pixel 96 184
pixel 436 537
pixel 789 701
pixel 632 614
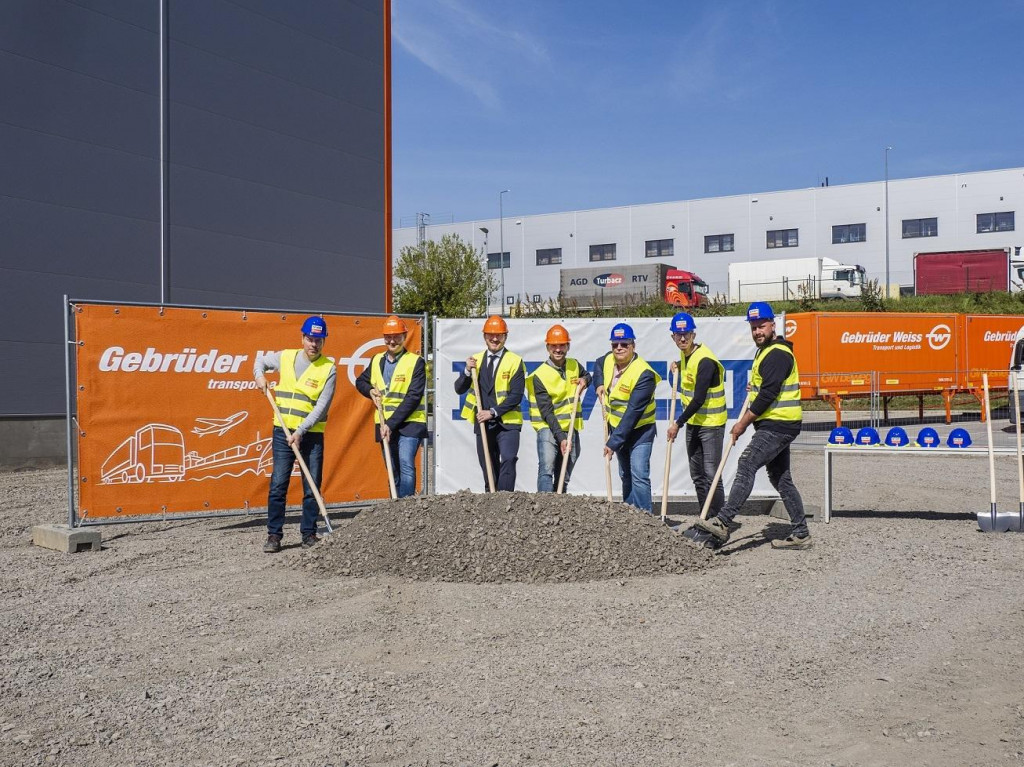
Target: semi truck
pixel 790 279
pixel 601 286
pixel 968 271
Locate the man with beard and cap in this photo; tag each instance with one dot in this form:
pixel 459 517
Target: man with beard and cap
pixel 776 415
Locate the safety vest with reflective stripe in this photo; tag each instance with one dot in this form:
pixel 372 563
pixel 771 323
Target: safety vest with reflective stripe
pixel 787 406
pixel 713 412
pixel 296 399
pixel 617 396
pixel 394 393
pixel 560 390
pixel 507 367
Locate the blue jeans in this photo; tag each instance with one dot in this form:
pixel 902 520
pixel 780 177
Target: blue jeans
pixel 771 450
pixel 311 448
pixel 635 473
pixel 549 460
pixel 403 462
pixel 704 449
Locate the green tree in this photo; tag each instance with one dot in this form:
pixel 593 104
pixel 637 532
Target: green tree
pixel 450 280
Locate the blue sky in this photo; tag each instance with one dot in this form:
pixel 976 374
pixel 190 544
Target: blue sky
pixel 576 105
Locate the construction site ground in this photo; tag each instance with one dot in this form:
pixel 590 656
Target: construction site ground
pixel 518 630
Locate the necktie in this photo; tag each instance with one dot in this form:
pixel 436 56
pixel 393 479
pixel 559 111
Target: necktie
pixel 492 365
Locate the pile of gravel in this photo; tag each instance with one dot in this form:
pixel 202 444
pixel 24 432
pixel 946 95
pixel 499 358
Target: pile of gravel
pixel 502 537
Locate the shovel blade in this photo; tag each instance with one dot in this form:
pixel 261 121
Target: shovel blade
pixel 994 521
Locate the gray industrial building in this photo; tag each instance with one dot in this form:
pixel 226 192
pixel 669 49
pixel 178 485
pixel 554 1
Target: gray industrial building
pixel 269 120
pixel 872 224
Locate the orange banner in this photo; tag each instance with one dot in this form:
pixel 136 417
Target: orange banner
pixel 904 352
pixel 170 419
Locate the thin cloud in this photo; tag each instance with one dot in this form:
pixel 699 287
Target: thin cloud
pixel 462 46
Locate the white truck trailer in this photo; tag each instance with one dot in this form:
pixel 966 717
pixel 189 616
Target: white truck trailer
pixel 790 279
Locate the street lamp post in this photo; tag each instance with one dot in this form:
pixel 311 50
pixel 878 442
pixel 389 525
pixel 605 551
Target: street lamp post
pixel 887 150
pixel 485 230
pixel 501 243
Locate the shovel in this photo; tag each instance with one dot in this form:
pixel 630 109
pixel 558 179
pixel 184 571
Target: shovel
pixel 483 435
pixel 572 431
pixel 607 458
pixel 386 447
pixel 992 521
pixel 1018 525
pixel 702 538
pixel 668 447
pixel 302 463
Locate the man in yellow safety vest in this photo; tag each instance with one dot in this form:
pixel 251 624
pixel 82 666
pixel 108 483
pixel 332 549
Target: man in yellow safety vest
pixel 553 388
pixel 498 418
pixel 397 379
pixel 303 395
pixel 627 383
pixel 704 412
pixel 777 416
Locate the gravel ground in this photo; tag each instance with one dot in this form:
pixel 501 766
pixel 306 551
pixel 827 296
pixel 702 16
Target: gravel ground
pixel 895 640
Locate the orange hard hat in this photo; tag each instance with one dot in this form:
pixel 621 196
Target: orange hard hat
pixel 557 335
pixel 495 324
pixel 393 325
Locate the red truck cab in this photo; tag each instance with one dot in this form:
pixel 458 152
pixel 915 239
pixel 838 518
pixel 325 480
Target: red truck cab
pixel 683 288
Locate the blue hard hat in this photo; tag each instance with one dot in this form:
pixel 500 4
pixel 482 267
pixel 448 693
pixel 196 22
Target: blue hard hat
pixel 622 332
pixel 840 436
pixel 928 437
pixel 867 436
pixel 897 437
pixel 682 323
pixel 760 310
pixel 959 437
pixel 314 327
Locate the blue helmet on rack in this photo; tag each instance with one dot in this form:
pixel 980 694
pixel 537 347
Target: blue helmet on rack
pixel 959 437
pixel 314 327
pixel 897 437
pixel 928 437
pixel 840 436
pixel 682 323
pixel 867 436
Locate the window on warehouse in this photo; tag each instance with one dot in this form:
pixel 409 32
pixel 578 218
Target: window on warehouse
pixel 995 222
pixel 499 260
pixel 719 243
pixel 920 227
pixel 602 252
pixel 849 233
pixel 659 249
pixel 783 238
pixel 548 256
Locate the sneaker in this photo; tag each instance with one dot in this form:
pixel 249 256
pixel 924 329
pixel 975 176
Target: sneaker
pixel 308 541
pixel 793 542
pixel 273 544
pixel 715 527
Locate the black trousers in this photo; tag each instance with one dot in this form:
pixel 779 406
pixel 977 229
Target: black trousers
pixel 504 446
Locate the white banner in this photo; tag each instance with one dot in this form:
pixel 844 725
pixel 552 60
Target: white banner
pixel 456 461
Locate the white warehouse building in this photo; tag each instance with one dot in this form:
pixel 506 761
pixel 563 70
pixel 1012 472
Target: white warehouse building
pixel 964 211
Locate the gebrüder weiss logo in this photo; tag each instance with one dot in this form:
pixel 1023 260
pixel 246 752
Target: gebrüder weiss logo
pixel 790 328
pixel 938 337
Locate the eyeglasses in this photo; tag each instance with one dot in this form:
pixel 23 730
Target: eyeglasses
pixel 621 344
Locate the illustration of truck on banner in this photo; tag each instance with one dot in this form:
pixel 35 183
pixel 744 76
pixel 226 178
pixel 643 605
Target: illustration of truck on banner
pixel 155 452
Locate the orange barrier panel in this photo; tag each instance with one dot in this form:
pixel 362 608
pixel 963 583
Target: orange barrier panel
pixel 170 420
pixel 986 343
